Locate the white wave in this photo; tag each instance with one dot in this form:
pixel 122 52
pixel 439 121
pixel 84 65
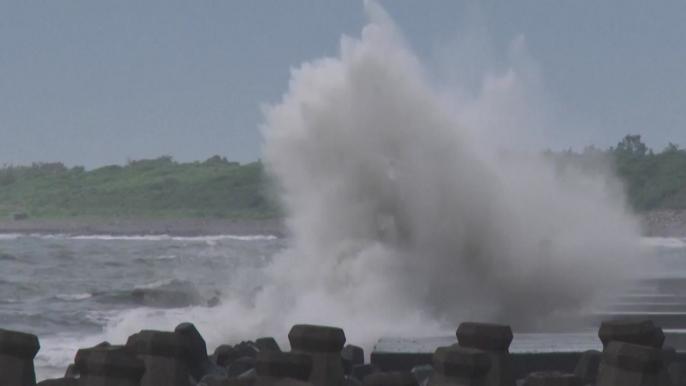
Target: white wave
pixel 665 242
pixel 10 236
pixel 165 257
pixel 57 352
pixel 161 237
pixel 155 284
pixel 73 296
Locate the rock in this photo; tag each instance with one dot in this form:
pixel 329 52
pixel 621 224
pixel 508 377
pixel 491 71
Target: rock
pixel 199 363
pixel 213 380
pixel 247 349
pixel 240 366
pixel 456 365
pixel 274 367
pixel 399 378
pixel 59 382
pixel 352 356
pixel 351 381
pixel 423 373
pixel 224 355
pixel 103 366
pixel 219 380
pixel 249 377
pixel 642 333
pixel 267 344
pixel 668 356
pixel 587 368
pixel 324 345
pixel 17 350
pixel 494 339
pixel 71 372
pixel 677 374
pixel 166 357
pixel 629 364
pixel 552 378
pixel 361 371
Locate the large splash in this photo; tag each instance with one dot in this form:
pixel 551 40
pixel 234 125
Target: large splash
pixel 402 225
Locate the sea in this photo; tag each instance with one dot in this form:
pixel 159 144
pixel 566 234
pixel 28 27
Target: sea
pixel 76 292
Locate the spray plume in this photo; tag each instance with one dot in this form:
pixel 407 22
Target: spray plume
pixel 403 226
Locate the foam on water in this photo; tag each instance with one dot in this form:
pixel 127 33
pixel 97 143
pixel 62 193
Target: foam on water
pixel 73 296
pixel 207 239
pixel 665 242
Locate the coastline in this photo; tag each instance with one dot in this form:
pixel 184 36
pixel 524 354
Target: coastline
pixel 142 227
pixel 662 223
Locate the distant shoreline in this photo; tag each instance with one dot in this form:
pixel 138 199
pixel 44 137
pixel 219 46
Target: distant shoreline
pixel 662 223
pixel 142 227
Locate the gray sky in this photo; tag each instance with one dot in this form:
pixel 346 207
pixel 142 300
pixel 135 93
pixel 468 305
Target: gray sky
pixel 97 82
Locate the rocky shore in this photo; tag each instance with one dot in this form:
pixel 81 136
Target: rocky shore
pixel 633 353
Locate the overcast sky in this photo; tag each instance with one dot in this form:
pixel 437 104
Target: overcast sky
pixel 98 82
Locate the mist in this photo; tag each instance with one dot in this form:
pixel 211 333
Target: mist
pixel 406 219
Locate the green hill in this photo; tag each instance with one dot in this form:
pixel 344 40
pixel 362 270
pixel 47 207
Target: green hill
pixel 653 181
pixel 217 188
pixel 159 188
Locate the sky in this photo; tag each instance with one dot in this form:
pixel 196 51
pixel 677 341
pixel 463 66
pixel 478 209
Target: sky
pixel 101 82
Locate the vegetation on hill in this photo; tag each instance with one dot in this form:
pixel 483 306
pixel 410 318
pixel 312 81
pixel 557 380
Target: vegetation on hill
pixel 217 188
pixel 652 180
pixel 159 188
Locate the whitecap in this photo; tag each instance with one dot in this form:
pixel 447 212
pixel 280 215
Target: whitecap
pixel 10 236
pixel 71 297
pixel 665 242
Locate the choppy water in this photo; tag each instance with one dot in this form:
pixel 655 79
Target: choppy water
pixel 78 291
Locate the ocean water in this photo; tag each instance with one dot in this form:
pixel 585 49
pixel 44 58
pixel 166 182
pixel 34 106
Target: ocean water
pixel 79 291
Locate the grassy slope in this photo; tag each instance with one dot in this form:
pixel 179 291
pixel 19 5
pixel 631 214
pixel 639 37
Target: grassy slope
pixel 217 188
pixel 144 189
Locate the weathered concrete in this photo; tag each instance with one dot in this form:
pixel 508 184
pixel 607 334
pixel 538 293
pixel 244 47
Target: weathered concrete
pixel 106 366
pixel 166 356
pixel 398 378
pixel 17 350
pixel 361 371
pixel 423 373
pixel 247 349
pixel 240 366
pixel 494 339
pixel 199 363
pixel 267 344
pixel 552 378
pixel 587 369
pixel 677 373
pixel 629 364
pixel 324 345
pixel 352 356
pixel 224 355
pixel 668 356
pixel 456 365
pixel 279 368
pixel 59 382
pixel 643 333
